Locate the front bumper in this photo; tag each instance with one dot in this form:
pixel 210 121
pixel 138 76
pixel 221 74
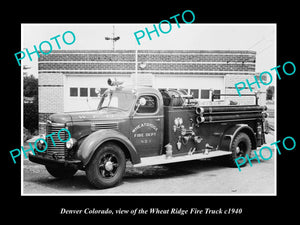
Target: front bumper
pixel 44 160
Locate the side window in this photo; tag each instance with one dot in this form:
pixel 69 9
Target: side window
pixel 150 106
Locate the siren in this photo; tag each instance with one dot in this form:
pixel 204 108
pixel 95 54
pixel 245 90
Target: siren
pixel 110 82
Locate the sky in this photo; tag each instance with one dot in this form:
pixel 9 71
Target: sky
pixel 196 36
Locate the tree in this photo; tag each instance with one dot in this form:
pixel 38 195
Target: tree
pixel 30 86
pixel 31 109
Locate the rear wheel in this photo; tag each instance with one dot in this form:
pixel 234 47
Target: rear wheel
pixel 107 166
pixel 241 146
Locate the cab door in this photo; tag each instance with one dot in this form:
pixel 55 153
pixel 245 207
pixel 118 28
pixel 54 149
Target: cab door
pixel 146 132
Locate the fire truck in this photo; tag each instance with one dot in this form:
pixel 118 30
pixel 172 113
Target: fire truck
pixel 147 126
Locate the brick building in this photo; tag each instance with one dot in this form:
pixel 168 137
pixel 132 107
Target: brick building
pixel 68 79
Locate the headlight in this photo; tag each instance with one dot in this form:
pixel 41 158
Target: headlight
pixel 41 144
pixel 42 136
pixel 70 143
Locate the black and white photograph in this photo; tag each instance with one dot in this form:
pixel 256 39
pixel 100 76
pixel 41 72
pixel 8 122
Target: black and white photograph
pixel 173 108
pixel 126 111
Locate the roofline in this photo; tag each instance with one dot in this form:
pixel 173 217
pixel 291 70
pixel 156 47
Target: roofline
pixel 242 51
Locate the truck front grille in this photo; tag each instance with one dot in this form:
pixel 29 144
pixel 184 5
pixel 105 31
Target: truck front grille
pixel 57 151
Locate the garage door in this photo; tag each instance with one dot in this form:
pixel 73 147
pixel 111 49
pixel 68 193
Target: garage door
pixel 198 86
pixel 80 91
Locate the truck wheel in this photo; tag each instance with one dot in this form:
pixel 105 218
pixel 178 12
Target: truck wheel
pixel 60 171
pixel 241 146
pixel 107 166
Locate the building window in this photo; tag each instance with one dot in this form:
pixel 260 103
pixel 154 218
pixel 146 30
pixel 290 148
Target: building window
pixel 194 93
pixel 83 92
pixel 102 90
pixel 184 91
pixel 93 92
pixel 150 106
pixel 73 91
pixel 205 94
pixel 217 92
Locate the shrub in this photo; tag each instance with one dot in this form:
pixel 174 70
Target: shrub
pixel 31 116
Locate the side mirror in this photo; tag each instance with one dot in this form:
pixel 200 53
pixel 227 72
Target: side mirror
pixel 141 102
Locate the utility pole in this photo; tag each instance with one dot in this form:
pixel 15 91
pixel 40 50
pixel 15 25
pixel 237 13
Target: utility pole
pixel 113 38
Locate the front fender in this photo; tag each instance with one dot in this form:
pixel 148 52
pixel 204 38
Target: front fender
pixel 92 142
pixel 230 133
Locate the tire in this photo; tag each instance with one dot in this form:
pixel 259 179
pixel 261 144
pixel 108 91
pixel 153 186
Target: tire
pixel 107 166
pixel 60 171
pixel 241 146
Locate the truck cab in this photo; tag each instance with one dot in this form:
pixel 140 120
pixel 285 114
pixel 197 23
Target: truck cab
pixel 147 126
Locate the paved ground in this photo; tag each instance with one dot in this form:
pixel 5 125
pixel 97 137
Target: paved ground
pixel 194 177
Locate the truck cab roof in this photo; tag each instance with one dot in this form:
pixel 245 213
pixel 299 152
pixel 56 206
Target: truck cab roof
pixel 138 89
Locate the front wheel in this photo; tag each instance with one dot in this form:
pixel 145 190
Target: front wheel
pixel 107 166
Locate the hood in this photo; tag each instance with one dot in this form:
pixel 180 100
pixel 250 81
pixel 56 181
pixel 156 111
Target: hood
pixel 95 115
pixel 60 118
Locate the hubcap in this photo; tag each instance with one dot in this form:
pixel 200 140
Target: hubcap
pixel 108 166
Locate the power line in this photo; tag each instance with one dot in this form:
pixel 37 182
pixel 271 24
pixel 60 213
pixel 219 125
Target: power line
pixel 259 52
pixel 262 39
pixel 256 43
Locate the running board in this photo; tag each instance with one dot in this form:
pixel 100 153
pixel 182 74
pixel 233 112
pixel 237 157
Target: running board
pixel 162 159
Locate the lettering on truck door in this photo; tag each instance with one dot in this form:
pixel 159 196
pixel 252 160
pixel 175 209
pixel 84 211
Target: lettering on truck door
pixel 146 126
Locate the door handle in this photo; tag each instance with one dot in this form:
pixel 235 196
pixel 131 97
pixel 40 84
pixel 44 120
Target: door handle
pixel 157 119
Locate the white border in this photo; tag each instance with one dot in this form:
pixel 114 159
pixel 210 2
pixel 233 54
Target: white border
pixel 22 114
pixel 150 194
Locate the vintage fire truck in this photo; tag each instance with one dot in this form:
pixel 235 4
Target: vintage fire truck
pixel 147 126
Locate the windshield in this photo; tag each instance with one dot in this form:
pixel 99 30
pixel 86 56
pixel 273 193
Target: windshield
pixel 119 100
